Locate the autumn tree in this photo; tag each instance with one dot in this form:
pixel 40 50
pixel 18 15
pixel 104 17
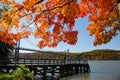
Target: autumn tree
pixel 6 50
pixel 52 21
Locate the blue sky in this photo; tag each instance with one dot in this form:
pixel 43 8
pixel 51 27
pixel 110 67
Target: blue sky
pixel 85 42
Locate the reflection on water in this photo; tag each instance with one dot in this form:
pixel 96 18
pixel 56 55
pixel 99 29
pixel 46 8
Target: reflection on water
pixel 77 77
pixel 100 70
pixel 46 78
pixel 74 77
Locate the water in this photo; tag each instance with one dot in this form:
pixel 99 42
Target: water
pixel 100 70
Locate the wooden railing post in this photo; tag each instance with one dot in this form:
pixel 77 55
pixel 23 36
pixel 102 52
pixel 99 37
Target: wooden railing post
pixel 44 61
pixel 57 61
pixel 53 61
pixel 38 61
pixel 30 61
pixel 70 61
pixel 24 60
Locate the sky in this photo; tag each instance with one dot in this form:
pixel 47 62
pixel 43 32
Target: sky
pixel 84 43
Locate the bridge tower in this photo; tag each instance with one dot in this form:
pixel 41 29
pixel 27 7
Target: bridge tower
pixel 17 47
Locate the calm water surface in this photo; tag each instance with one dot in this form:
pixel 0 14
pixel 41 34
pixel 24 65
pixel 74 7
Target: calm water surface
pixel 100 70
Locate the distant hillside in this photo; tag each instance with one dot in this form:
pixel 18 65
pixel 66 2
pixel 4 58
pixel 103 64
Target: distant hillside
pixel 103 54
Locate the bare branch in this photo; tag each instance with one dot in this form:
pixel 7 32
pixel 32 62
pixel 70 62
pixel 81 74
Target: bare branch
pixel 39 2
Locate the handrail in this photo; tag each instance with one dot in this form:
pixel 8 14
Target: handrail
pixel 31 61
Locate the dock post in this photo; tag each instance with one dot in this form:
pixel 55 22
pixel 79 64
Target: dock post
pixel 61 72
pixel 80 68
pixel 44 71
pixel 76 69
pixel 53 71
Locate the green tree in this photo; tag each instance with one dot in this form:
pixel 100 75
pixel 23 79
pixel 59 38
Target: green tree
pixel 5 51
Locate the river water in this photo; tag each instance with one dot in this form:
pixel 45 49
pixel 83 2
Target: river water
pixel 100 70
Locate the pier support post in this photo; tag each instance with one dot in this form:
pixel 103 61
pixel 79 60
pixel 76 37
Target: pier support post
pixel 76 69
pixel 53 71
pixel 44 71
pixel 81 70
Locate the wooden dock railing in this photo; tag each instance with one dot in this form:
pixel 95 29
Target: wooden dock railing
pixel 31 61
pixel 45 66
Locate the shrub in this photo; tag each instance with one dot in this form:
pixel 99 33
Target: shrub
pixel 22 73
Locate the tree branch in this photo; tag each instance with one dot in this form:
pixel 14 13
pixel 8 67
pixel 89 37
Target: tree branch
pixel 23 7
pixel 39 2
pixel 34 4
pixel 69 1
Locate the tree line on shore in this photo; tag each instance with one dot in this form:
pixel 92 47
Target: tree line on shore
pixel 103 54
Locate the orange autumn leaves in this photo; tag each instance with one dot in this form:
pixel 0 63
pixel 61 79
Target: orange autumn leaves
pixel 104 17
pixel 52 21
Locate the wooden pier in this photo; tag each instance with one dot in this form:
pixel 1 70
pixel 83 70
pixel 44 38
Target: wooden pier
pixel 44 67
